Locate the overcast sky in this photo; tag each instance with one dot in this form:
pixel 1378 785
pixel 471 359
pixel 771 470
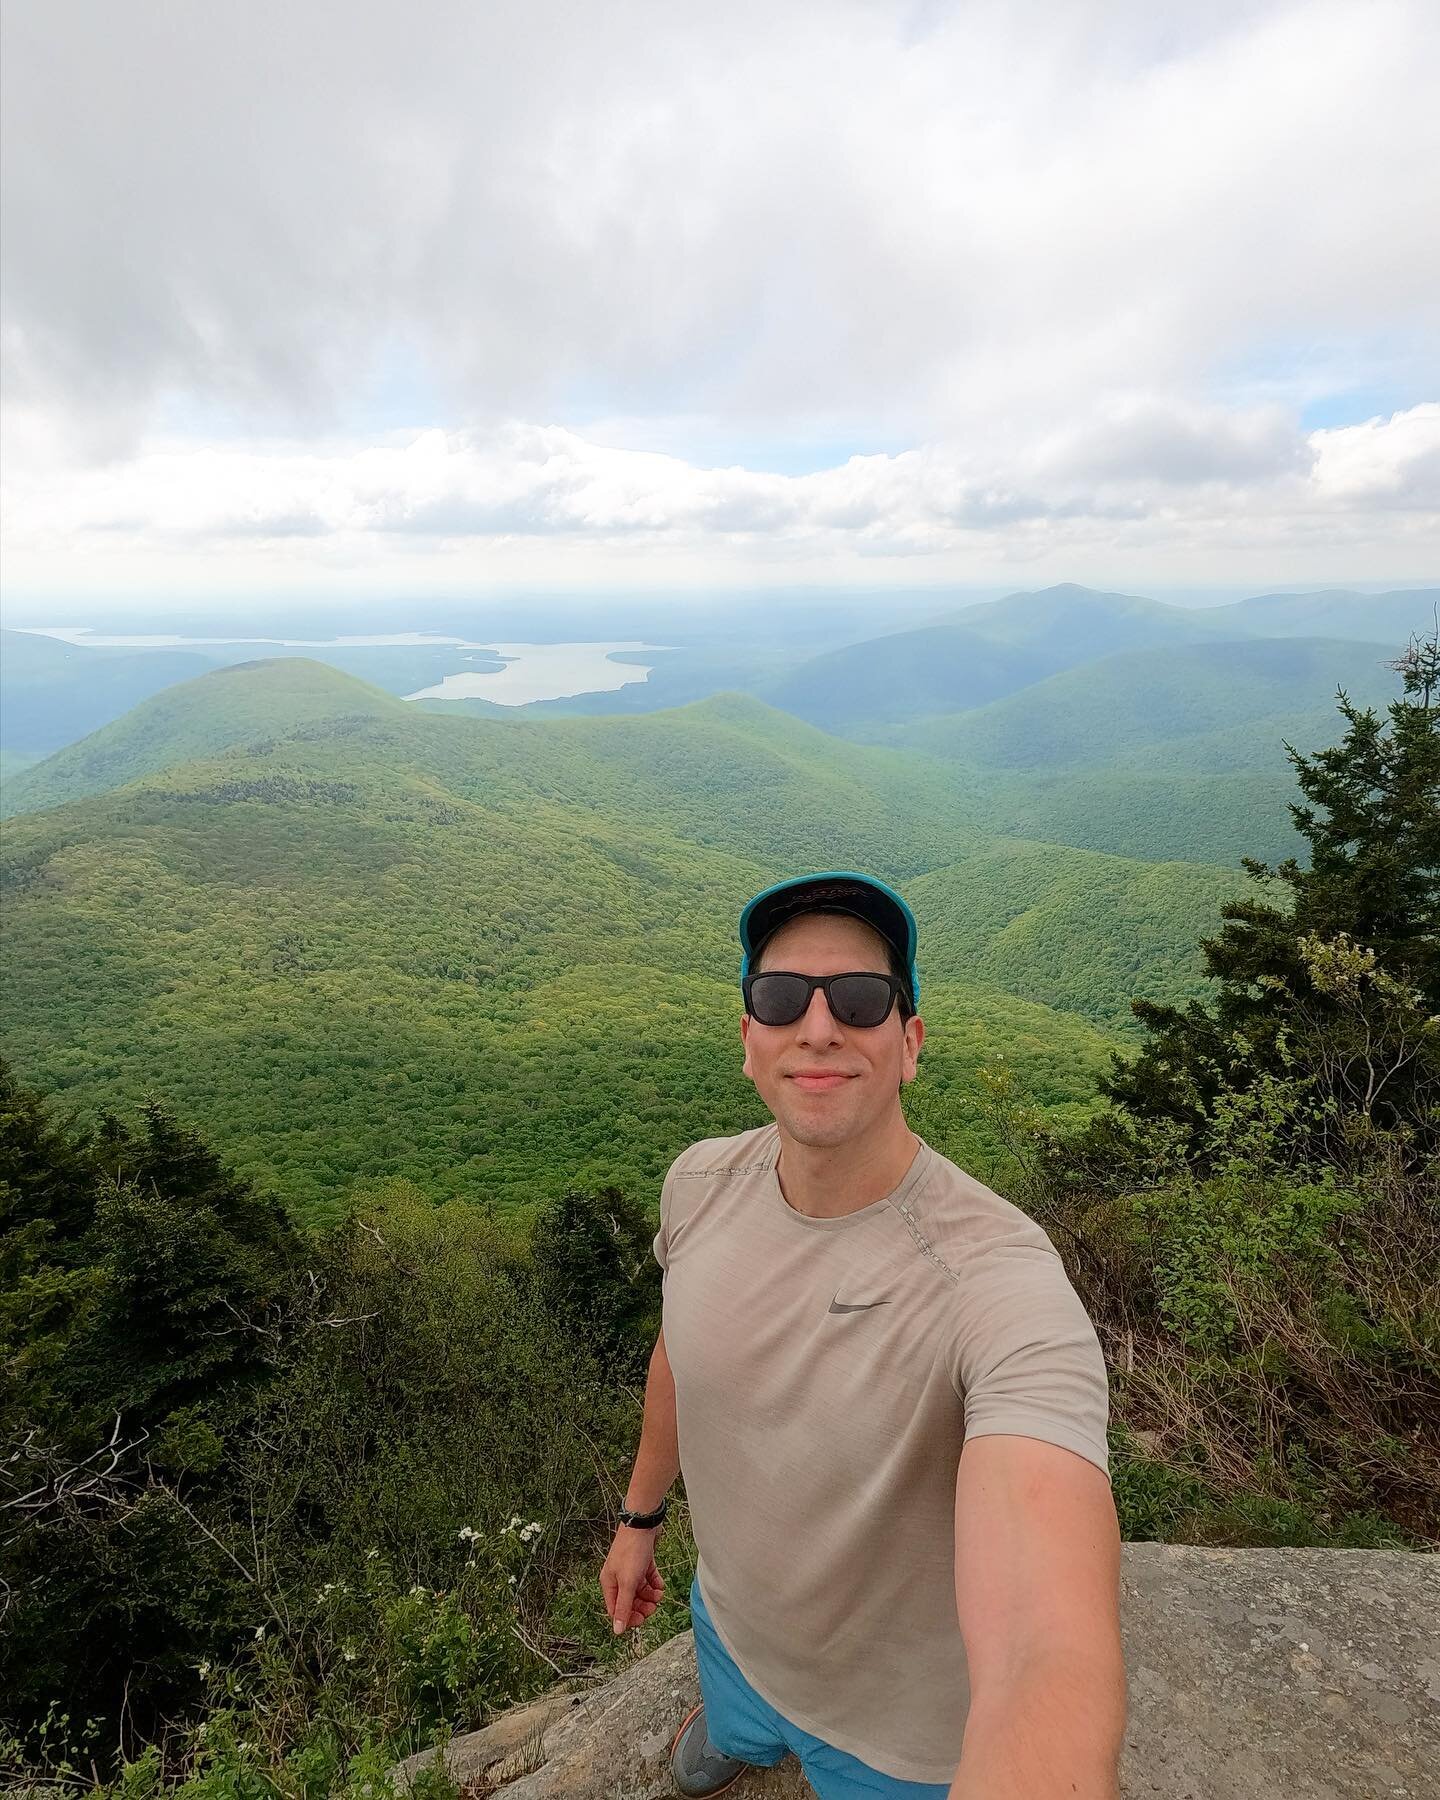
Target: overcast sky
pixel 331 296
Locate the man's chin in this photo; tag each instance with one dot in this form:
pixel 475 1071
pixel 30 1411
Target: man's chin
pixel 814 1129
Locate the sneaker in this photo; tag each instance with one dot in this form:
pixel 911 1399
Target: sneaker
pixel 698 1767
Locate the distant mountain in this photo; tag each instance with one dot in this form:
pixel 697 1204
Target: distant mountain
pixel 222 708
pixel 979 655
pixel 52 692
pixel 1372 618
pixel 1151 699
pixel 1079 623
pixel 728 772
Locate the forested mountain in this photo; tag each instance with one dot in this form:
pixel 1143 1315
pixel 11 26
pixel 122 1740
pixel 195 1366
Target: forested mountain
pixel 1140 701
pixel 977 655
pixel 351 934
pixel 1070 928
pixel 983 654
pixel 496 956
pixel 1335 613
pixel 729 771
pixel 52 692
pixel 197 718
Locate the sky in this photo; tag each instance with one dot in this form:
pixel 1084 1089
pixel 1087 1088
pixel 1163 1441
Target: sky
pixel 334 297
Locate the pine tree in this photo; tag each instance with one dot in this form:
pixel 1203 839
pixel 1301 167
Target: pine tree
pixel 1373 885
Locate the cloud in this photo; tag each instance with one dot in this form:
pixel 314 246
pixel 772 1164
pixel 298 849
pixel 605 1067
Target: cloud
pixel 824 212
pixel 1136 478
pixel 1053 281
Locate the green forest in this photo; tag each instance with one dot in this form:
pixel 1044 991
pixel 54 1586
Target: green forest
pixel 497 958
pixel 348 1046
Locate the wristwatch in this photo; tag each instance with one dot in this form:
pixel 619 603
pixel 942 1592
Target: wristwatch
pixel 645 1521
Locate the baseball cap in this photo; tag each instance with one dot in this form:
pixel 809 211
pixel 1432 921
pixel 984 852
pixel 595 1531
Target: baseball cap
pixel 832 890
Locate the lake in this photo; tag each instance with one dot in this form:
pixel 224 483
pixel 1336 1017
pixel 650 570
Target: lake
pixel 542 672
pixel 531 672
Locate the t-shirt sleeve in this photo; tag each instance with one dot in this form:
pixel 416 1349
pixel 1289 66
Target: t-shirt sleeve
pixel 661 1245
pixel 1024 1356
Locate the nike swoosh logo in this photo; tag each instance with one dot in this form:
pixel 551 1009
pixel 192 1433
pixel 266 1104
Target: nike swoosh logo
pixel 840 1306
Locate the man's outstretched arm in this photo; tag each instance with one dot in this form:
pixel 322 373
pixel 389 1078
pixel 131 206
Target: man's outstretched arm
pixel 1037 1586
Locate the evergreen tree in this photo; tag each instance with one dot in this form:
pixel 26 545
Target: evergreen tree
pixel 594 1266
pixel 1285 1008
pixel 144 1286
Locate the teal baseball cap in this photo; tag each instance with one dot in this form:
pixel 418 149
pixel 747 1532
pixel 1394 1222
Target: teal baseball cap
pixel 833 890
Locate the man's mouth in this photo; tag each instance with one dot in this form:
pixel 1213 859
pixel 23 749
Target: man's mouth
pixel 818 1081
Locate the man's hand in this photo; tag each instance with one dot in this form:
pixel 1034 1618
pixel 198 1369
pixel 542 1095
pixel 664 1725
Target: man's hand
pixel 1037 1568
pixel 630 1582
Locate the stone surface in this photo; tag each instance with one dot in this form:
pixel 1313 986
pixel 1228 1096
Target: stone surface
pixel 1253 1675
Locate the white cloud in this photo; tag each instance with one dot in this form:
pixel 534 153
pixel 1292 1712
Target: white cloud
pixel 1130 479
pixel 1091 260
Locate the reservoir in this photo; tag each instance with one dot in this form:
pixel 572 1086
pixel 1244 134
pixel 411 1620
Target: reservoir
pixel 542 672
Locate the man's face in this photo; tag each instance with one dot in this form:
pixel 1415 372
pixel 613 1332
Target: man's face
pixel 855 1073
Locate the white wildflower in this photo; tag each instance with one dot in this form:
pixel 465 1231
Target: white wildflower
pixel 202 1669
pixel 417 1590
pixel 349 1655
pixel 259 1633
pixel 369 1554
pixel 511 1580
pixel 469 1535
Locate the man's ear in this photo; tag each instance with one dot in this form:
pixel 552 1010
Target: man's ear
pixel 745 1040
pixel 914 1037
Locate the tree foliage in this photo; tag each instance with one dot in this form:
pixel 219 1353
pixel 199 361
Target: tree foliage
pixel 1344 987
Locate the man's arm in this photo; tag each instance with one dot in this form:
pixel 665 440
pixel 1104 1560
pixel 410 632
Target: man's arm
pixel 1037 1586
pixel 657 1461
pixel 630 1582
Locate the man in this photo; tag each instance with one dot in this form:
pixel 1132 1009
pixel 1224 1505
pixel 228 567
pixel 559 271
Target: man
pixel 845 1311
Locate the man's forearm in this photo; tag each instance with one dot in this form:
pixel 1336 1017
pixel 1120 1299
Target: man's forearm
pixel 1055 1728
pixel 657 1462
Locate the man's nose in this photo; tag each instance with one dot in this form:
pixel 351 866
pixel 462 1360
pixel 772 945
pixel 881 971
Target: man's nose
pixel 817 1022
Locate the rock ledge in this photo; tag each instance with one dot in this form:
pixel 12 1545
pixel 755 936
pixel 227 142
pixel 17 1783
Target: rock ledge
pixel 1253 1675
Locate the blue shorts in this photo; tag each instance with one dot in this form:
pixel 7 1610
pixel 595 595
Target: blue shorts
pixel 739 1723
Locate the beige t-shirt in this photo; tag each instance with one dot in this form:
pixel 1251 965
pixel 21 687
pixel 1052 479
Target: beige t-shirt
pixel 827 1372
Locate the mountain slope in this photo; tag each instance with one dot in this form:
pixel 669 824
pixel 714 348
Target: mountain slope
pixel 1154 698
pixel 53 692
pixel 1336 613
pixel 345 967
pixel 219 709
pixel 728 772
pixel 1073 929
pixel 979 655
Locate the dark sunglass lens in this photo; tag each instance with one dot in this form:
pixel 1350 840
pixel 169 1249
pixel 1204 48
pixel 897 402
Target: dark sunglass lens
pixel 778 999
pixel 860 999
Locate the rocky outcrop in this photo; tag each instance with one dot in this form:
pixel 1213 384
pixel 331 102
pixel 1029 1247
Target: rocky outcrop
pixel 1253 1675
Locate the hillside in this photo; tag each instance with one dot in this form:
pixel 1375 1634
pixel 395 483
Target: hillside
pixel 350 937
pixel 341 965
pixel 197 718
pixel 52 692
pixel 1155 815
pixel 1337 613
pixel 1073 929
pixel 1154 699
pixel 978 655
pixel 729 771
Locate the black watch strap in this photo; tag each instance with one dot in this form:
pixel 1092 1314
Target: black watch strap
pixel 646 1521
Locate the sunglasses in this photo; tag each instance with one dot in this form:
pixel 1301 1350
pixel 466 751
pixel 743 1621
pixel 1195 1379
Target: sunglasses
pixel 861 998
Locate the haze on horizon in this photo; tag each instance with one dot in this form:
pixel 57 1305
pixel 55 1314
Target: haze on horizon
pixel 668 300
